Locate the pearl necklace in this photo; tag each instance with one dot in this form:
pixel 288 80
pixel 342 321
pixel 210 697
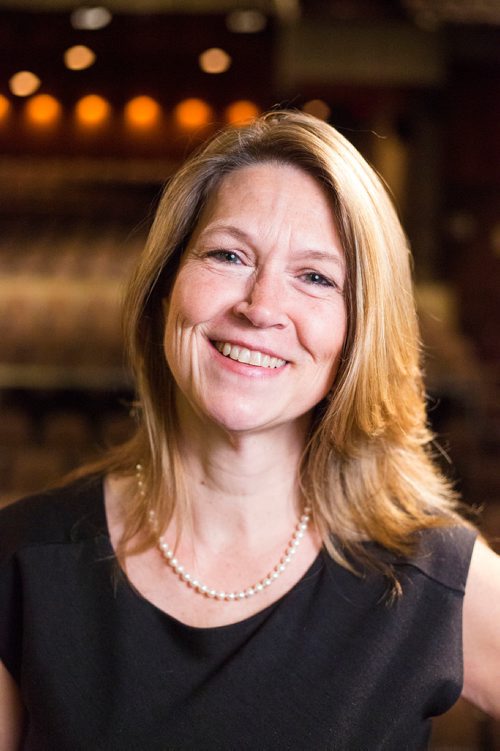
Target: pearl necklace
pixel 198 587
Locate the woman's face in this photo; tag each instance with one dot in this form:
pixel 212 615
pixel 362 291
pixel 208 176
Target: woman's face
pixel 256 319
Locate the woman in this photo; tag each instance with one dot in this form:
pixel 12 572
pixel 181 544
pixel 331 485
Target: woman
pixel 273 561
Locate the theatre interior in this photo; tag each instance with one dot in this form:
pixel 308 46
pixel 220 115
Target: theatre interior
pixel 98 106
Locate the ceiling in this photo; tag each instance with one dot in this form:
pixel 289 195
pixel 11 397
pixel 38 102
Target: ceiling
pixel 421 11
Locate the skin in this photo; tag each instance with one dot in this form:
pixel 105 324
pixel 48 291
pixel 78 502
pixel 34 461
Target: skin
pixel 481 631
pixel 261 283
pixel 251 275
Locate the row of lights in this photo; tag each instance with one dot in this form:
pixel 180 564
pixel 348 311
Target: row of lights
pixel 144 112
pixel 239 21
pixel 25 83
pixel 140 113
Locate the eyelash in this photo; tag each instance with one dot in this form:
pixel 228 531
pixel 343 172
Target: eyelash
pixel 230 257
pixel 222 255
pixel 321 280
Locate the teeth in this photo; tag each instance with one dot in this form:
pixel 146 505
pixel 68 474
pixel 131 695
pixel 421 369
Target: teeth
pixel 249 356
pixel 255 358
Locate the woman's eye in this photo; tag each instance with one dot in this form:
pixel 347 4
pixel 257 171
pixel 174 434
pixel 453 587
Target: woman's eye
pixel 312 277
pixel 226 256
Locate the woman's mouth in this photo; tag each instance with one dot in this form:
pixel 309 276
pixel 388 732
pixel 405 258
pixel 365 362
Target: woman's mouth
pixel 248 356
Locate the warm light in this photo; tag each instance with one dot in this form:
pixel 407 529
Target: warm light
pixel 92 110
pixel 246 21
pixel 4 107
pixel 79 57
pixel 142 112
pixel 43 109
pixel 214 60
pixel 90 18
pixel 192 113
pixel 241 112
pixel 24 83
pixel 318 108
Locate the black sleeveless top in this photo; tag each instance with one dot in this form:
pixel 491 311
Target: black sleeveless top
pixel 330 665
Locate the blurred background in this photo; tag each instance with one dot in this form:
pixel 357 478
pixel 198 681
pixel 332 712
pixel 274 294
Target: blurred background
pixel 99 104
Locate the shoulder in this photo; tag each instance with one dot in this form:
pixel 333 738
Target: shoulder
pixel 481 630
pixel 53 516
pixel 443 555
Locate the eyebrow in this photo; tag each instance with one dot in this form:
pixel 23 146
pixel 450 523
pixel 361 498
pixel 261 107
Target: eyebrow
pixel 229 229
pixel 309 254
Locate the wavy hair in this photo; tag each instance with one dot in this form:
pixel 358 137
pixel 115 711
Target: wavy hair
pixel 367 469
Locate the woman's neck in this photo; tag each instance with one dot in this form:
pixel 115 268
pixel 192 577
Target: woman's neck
pixel 242 487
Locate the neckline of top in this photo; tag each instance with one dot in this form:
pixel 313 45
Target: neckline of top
pixel 101 517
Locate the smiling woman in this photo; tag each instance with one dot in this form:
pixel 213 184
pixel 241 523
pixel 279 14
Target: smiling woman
pixel 273 561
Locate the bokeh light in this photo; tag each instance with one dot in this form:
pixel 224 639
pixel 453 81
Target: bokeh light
pixel 214 60
pixel 43 109
pixel 193 113
pixel 142 112
pixel 24 83
pixel 91 18
pixel 92 110
pixel 4 107
pixel 246 21
pixel 318 108
pixel 79 57
pixel 241 111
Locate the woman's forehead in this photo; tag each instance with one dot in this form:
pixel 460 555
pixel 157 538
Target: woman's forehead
pixel 267 193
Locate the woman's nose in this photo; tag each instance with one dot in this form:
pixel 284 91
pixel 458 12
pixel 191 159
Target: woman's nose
pixel 264 303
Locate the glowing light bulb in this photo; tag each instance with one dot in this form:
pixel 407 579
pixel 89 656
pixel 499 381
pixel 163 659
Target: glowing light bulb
pixel 241 111
pixel 246 21
pixel 214 60
pixel 4 107
pixel 79 57
pixel 318 108
pixel 43 109
pixel 192 113
pixel 142 112
pixel 91 18
pixel 92 110
pixel 24 83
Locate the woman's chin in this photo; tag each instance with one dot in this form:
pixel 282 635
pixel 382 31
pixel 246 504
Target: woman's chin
pixel 240 422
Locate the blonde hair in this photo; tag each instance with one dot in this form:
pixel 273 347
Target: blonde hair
pixel 367 469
